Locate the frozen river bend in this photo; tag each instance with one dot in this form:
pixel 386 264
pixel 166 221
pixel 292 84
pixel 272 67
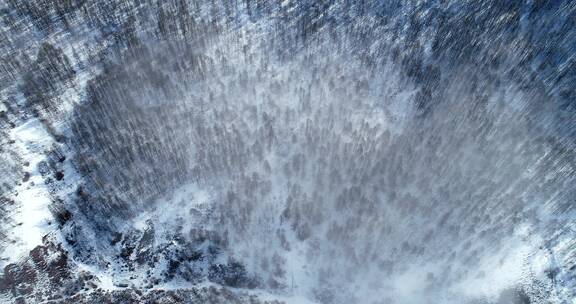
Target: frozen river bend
pixel 251 151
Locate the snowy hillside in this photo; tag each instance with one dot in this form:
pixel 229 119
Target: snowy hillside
pixel 287 151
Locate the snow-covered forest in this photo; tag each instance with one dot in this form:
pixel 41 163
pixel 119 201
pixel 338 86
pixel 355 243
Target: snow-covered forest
pixel 253 151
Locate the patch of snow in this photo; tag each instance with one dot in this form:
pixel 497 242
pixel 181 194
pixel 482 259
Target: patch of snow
pixel 32 216
pixel 105 280
pixel 502 270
